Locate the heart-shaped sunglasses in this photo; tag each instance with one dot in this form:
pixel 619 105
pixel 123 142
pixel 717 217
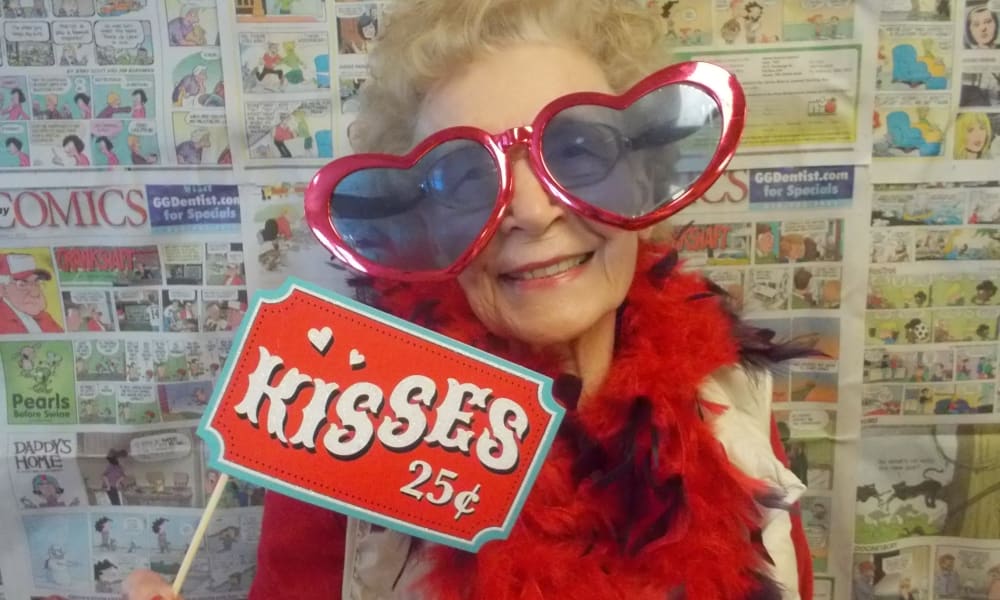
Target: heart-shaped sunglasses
pixel 628 161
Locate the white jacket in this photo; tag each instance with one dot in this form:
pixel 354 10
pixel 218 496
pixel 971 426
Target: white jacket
pixel 375 556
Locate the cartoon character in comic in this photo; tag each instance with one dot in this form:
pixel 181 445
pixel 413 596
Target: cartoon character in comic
pixel 103 527
pixel 799 462
pixel 161 535
pixel 764 247
pixel 863 583
pixel 152 314
pixel 171 315
pixel 106 148
pixel 70 56
pixel 138 157
pixel 235 310
pixel 73 146
pixel 15 148
pixel 802 296
pixel 227 537
pixel 830 294
pixel 791 248
pixel 20 10
pixel 282 133
pixel 192 85
pixel 114 8
pixel 916 331
pixel 233 275
pixel 932 133
pixel 113 479
pixel 200 397
pixel 190 152
pixel 68 8
pixel 294 62
pixel 364 34
pixel 973 136
pixel 85 317
pixel 269 63
pixel 48 489
pixel 367 31
pixel 106 576
pixel 57 566
pixel 214 320
pixel 186 29
pixel 272 234
pixel 23 306
pixel 947 581
pixel 665 9
pixel 113 107
pixel 984 368
pixel 39 369
pixel 753 12
pixel 952 405
pixel 985 291
pixel 15 110
pixel 993 591
pixel 139 100
pixel 52 109
pixel 944 9
pixel 284 7
pixel 980 27
pixel 82 102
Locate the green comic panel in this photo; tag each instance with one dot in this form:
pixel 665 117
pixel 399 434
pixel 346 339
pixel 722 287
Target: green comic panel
pixel 965 324
pixel 38 377
pixel 966 289
pixel 897 327
pixel 899 291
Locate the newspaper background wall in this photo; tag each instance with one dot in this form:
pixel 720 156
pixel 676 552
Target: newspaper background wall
pixel 138 177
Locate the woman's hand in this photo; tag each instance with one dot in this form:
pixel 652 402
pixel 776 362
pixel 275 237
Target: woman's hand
pixel 146 585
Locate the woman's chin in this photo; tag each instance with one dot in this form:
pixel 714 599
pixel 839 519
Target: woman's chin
pixel 557 331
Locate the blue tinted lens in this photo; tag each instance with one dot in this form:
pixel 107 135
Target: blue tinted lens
pixel 464 180
pixel 631 162
pixel 579 152
pixel 422 218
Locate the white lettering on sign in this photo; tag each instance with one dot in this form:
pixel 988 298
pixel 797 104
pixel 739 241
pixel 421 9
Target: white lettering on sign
pixel 351 434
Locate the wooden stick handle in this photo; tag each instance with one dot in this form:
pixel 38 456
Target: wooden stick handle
pixel 199 533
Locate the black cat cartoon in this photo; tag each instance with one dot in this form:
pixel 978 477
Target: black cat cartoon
pixel 928 488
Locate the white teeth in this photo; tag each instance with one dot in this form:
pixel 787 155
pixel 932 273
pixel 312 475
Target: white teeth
pixel 549 271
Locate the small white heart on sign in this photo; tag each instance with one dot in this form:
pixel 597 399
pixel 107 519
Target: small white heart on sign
pixel 357 359
pixel 321 339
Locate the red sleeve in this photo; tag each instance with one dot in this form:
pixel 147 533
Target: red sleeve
pixel 802 555
pixel 301 551
pixel 48 323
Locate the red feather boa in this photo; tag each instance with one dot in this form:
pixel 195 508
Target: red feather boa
pixel 578 538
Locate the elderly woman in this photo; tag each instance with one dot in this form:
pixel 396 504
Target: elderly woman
pixel 519 223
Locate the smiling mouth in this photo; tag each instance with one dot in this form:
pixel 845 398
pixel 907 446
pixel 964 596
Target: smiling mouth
pixel 550 270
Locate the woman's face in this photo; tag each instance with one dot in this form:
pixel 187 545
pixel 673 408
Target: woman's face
pixel 548 276
pixel 369 31
pixel 975 137
pixel 983 28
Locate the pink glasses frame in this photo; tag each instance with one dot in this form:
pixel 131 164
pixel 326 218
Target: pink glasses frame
pixel 719 84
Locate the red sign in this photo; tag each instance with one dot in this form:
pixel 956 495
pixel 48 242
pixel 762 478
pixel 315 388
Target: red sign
pixel 338 404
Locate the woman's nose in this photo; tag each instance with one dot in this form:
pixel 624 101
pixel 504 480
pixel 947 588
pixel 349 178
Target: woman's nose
pixel 531 209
